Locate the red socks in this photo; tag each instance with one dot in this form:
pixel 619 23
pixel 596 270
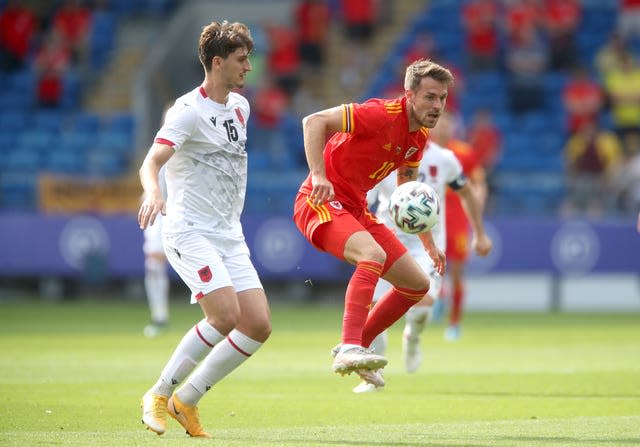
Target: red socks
pixel 358 299
pixel 456 304
pixel 393 305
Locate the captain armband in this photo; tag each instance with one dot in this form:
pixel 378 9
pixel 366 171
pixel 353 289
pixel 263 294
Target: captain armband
pixel 459 182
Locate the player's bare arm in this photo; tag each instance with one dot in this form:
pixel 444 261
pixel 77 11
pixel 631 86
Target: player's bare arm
pixel 437 256
pixel 481 243
pixel 315 128
pixel 406 174
pixel 153 202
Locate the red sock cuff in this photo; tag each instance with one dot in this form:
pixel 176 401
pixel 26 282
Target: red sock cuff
pixel 372 266
pixel 412 294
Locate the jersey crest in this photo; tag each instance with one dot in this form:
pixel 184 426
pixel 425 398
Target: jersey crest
pixel 412 150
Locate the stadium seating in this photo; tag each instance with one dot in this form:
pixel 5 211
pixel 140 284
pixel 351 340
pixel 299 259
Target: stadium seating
pixel 66 139
pixel 532 143
pixel 70 140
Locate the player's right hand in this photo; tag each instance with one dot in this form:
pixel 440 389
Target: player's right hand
pixel 481 244
pixel 322 190
pixel 149 210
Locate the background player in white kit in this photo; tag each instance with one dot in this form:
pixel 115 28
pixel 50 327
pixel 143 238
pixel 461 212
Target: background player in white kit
pixel 202 143
pixel 439 168
pixel 156 278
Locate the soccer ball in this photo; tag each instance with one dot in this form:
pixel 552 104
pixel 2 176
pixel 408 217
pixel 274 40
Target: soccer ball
pixel 414 207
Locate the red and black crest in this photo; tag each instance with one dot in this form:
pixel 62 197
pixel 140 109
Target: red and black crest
pixel 433 170
pixel 205 274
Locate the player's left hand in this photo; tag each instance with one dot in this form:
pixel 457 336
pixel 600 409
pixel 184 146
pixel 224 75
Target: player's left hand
pixel 438 258
pixel 481 244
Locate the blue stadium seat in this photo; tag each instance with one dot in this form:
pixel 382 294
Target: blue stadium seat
pixel 117 142
pixel 75 141
pixel 71 90
pixel 102 162
pixel 8 140
pixel 102 38
pixel 15 100
pixel 21 81
pixel 22 159
pixel 12 120
pixel 65 161
pixel 36 140
pixel 48 121
pixel 86 122
pixel 18 191
pixel 123 123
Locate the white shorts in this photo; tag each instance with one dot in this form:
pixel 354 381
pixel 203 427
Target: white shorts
pixel 153 237
pixel 206 263
pixel 425 262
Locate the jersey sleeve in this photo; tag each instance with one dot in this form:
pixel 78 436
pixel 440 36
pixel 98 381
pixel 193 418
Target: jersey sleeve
pixel 414 159
pixel 455 177
pixel 178 126
pixel 362 119
pixel 245 109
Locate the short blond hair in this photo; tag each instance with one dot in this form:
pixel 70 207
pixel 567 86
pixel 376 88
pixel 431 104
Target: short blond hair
pixel 425 68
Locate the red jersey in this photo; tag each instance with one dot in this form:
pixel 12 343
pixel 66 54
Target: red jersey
pixel 455 214
pixel 374 141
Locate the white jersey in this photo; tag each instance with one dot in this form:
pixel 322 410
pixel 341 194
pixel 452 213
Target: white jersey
pixel 207 175
pixel 439 167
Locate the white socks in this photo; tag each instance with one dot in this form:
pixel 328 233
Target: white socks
pixel 224 358
pixel 415 320
pixel 156 284
pixel 379 344
pixel 193 347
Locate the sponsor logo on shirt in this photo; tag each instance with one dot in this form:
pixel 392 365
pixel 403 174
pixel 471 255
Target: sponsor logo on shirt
pixel 387 147
pixel 213 120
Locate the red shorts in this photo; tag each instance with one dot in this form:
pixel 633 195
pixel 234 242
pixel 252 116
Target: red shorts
pixel 458 243
pixel 328 226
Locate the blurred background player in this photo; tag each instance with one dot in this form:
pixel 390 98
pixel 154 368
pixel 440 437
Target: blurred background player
pixel 439 168
pixel 156 278
pixel 457 246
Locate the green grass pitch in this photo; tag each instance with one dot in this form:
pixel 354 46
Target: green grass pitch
pixel 72 374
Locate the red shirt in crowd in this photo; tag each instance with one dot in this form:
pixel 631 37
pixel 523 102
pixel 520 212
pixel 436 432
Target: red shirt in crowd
pixel 17 27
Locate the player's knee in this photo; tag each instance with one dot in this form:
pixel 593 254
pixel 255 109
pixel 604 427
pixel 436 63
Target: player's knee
pixel 224 323
pixel 262 331
pixel 258 329
pixel 153 265
pixel 419 283
pixel 373 253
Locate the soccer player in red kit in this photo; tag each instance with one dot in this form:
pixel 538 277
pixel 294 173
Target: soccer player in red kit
pixel 370 141
pixel 456 221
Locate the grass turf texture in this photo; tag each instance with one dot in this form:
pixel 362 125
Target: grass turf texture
pixel 72 374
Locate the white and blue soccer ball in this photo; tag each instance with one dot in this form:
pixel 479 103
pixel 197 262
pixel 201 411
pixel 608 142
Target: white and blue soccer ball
pixel 414 207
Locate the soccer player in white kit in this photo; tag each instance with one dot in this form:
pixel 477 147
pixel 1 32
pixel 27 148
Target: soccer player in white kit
pixel 439 168
pixel 202 144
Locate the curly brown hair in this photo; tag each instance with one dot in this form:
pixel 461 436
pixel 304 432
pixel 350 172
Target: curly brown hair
pixel 222 39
